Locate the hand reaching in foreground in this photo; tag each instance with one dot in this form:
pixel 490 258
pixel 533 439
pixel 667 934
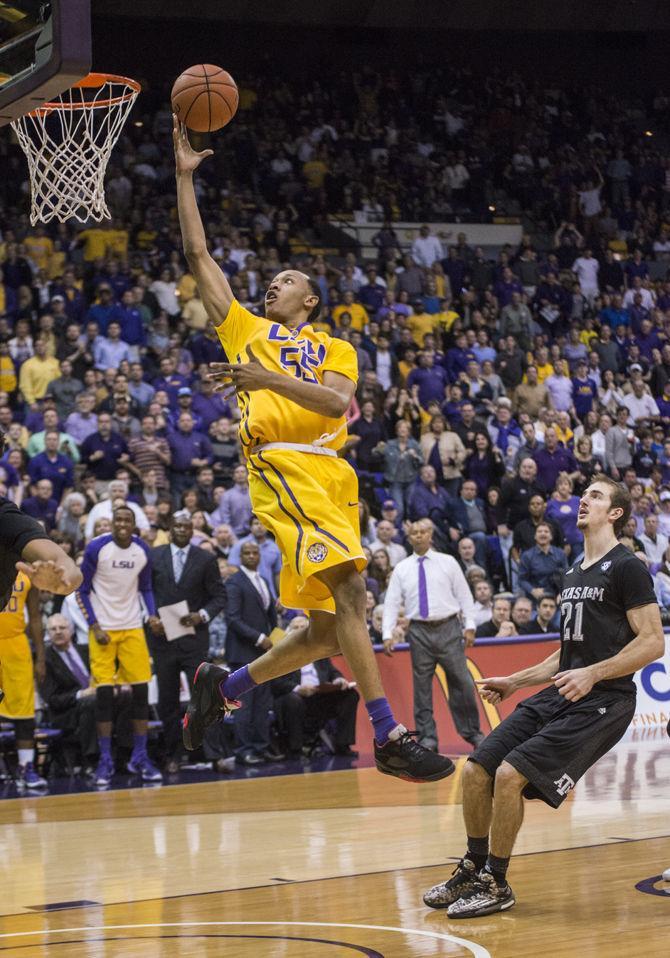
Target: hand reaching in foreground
pixel 496 689
pixel 48 575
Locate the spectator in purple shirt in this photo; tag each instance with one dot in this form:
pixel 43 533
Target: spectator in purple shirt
pixel 51 465
pixel 553 458
pixel 506 285
pixel 190 450
pixel 210 406
pixel 170 381
pixel 41 505
pixel 371 294
pixel 234 508
pixel 430 379
pixel 103 450
pixel 105 310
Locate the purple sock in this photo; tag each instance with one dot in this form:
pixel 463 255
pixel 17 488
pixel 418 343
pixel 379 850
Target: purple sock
pixel 139 745
pixel 237 683
pixel 382 719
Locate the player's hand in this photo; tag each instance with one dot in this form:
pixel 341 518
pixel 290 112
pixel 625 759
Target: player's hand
pixel 100 635
pixel 306 691
pixel 496 689
pixel 244 377
pixel 47 575
pixel 389 646
pixel 469 636
pixel 155 625
pixel 186 158
pixel 40 669
pixel 574 684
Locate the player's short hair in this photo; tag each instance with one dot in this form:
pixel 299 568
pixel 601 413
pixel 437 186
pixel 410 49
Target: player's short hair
pixel 316 291
pixel 620 498
pixel 122 508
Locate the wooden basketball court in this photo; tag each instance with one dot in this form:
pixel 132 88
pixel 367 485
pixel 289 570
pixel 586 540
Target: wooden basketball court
pixel 334 864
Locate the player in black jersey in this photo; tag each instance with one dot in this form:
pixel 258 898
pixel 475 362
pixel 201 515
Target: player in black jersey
pixel 610 628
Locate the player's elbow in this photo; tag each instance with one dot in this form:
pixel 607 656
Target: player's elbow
pixel 194 251
pixel 336 405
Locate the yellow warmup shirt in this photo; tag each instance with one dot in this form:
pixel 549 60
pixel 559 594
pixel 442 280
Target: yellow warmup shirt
pixel 301 353
pixel 40 249
pixel 358 313
pixel 420 325
pixel 7 374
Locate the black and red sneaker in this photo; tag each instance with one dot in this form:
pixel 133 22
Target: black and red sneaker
pixel 406 759
pixel 207 704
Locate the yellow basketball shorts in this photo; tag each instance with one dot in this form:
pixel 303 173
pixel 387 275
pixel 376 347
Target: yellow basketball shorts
pixel 16 678
pixel 310 505
pixel 123 661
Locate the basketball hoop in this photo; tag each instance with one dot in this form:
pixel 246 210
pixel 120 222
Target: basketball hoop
pixel 68 143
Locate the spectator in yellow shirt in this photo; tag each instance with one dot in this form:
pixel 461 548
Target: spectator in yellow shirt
pixel 7 369
pixel 358 313
pixel 39 247
pixel 37 372
pixel 421 323
pixel 446 316
pixel 544 367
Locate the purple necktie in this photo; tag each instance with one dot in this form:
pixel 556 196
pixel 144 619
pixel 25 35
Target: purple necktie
pixel 423 590
pixel 80 675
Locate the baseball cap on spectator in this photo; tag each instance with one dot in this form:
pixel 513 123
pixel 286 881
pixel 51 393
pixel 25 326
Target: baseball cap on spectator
pixel 389 504
pixel 57 298
pixel 636 367
pixel 184 391
pixel 665 495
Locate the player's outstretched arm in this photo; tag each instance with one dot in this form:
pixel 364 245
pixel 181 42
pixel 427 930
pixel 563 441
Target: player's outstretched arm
pixel 496 689
pixel 213 286
pixel 48 567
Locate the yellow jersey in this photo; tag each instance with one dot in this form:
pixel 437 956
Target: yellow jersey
pixel 13 616
pixel 301 353
pixel 358 313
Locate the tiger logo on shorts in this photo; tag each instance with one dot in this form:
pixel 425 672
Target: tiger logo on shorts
pixel 317 552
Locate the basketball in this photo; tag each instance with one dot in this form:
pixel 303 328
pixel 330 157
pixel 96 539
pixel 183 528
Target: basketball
pixel 205 98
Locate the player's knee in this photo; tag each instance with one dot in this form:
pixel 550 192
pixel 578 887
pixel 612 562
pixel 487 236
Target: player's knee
pixel 508 779
pixel 104 703
pixel 349 591
pixel 475 776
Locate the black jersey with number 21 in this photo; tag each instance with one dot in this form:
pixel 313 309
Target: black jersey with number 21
pixel 594 602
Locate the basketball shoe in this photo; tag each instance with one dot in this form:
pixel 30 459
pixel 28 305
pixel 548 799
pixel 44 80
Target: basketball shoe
pixel 207 705
pixel 142 765
pixel 404 758
pixel 27 777
pixel 104 773
pixel 460 884
pixel 485 897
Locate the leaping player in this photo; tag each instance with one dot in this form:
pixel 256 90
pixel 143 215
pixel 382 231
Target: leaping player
pixel 294 386
pixel 610 628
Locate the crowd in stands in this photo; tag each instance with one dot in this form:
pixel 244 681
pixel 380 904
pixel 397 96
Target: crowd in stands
pixel 493 386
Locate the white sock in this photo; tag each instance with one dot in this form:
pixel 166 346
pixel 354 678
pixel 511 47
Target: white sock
pixel 396 733
pixel 26 755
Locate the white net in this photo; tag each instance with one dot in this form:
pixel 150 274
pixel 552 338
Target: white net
pixel 68 143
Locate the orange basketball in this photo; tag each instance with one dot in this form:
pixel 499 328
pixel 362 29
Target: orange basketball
pixel 205 98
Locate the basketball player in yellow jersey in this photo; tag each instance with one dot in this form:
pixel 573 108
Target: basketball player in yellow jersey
pixel 294 387
pixel 16 673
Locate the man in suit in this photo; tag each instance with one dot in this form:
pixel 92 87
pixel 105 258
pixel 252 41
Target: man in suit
pixel 182 572
pixel 306 699
pixel 251 617
pixel 70 695
pixel 466 517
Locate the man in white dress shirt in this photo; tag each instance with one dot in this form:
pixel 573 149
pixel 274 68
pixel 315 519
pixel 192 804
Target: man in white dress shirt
pixel 435 595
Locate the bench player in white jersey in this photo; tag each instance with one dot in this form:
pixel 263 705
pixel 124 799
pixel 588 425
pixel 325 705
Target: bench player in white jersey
pixel 610 628
pixel 116 571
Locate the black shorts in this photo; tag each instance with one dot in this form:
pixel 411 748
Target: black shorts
pixel 552 742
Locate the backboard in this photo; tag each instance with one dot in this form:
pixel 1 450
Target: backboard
pixel 45 47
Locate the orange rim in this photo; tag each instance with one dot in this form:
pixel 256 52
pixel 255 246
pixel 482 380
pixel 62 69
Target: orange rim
pixel 92 82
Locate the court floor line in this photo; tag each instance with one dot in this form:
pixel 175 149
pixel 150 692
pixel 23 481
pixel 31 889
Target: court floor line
pixel 308 881
pixel 478 951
